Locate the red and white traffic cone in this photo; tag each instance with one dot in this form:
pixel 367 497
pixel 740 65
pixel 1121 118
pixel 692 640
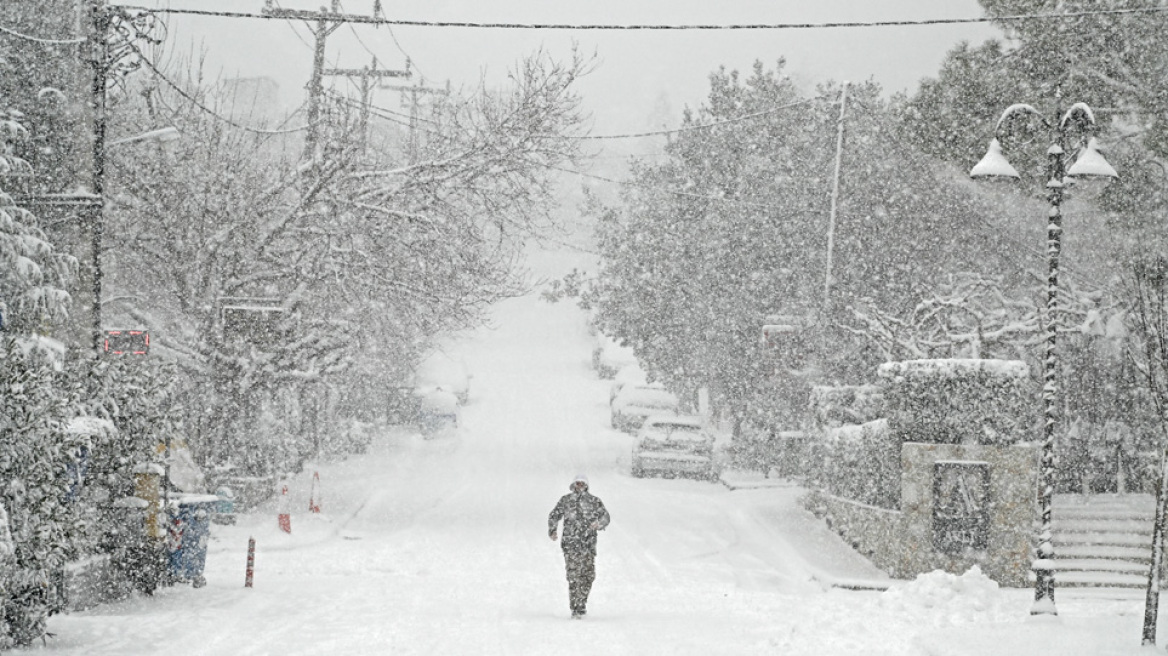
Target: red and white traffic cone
pixel 283 517
pixel 313 503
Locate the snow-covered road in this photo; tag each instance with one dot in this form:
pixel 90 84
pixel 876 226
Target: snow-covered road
pixel 439 547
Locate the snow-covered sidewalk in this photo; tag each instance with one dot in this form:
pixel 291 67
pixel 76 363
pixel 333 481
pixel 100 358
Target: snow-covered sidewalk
pixel 440 547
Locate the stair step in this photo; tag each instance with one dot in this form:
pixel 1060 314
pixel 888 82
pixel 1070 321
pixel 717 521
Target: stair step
pixel 1103 513
pixel 1141 554
pixel 1099 579
pixel 1097 565
pixel 1139 527
pixel 1105 499
pixel 1103 539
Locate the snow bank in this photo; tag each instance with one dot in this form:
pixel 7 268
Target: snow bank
pixel 945 599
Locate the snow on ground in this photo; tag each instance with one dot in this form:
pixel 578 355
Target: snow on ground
pixel 439 547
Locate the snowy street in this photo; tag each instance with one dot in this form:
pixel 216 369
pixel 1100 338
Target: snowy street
pixel 439 547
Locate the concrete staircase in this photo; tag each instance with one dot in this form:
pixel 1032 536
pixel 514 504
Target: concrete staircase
pixel 1102 541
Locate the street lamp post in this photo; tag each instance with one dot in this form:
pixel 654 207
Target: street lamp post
pixel 1078 121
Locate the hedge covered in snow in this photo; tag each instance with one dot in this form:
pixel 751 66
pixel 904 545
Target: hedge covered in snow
pixel 959 401
pixel 845 404
pixel 860 462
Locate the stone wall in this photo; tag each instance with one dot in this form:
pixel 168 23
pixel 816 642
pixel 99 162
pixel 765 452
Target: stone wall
pixel 902 542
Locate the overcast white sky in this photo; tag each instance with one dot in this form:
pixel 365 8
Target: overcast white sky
pixel 638 72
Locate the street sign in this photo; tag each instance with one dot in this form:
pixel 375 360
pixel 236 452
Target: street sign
pixel 127 342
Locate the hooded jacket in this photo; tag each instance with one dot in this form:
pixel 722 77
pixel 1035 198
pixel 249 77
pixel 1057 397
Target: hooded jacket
pixel 578 510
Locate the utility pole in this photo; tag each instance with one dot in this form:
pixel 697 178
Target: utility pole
pixel 327 22
pixel 835 185
pixel 414 91
pixel 98 51
pixel 316 84
pixel 367 75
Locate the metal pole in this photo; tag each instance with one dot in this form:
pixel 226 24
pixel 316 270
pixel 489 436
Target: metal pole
pixel 839 152
pixel 1044 577
pixel 249 574
pixel 99 46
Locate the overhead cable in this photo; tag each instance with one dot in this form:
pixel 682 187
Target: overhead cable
pixel 372 20
pixel 686 194
pixel 194 101
pixel 687 128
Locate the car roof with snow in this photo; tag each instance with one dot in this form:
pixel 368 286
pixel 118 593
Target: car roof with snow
pixel 675 428
pixel 691 422
pixel 646 397
pixel 438 400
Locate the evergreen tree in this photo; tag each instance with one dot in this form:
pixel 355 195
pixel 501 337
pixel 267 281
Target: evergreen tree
pixel 733 227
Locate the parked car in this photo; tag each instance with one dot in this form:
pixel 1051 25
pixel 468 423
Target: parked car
pixel 441 370
pixel 675 445
pixel 633 404
pixel 629 375
pixel 437 411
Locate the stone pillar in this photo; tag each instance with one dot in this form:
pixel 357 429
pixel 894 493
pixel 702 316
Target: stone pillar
pixel 1010 512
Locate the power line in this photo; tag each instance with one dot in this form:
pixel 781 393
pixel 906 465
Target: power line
pixel 191 99
pixel 687 128
pixel 684 194
pixel 295 31
pixel 34 39
pixel 410 59
pixel 372 20
pixel 382 112
pixel 372 54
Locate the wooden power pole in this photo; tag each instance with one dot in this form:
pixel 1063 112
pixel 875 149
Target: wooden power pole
pixel 367 75
pixel 326 22
pixel 414 91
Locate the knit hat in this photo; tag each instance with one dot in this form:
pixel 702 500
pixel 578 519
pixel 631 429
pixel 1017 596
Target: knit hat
pixel 580 478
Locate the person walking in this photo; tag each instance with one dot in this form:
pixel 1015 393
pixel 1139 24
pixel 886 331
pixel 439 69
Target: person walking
pixel 583 515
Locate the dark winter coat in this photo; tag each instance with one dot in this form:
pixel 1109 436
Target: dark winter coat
pixel 578 510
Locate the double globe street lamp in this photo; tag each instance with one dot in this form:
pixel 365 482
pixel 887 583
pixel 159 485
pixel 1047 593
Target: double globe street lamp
pixel 1074 130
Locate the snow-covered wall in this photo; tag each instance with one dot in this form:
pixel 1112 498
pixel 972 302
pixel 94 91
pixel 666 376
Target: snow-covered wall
pixel 874 481
pixel 902 542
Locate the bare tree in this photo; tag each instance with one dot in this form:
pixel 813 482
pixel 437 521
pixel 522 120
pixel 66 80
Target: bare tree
pixel 1149 282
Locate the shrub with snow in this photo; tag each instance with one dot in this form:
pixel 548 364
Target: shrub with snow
pixel 860 462
pixel 959 401
pixel 845 404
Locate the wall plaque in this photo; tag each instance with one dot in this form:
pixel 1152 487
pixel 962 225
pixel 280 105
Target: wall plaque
pixel 961 517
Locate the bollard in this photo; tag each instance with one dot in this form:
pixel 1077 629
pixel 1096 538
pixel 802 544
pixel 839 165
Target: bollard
pixel 313 504
pixel 250 562
pixel 282 516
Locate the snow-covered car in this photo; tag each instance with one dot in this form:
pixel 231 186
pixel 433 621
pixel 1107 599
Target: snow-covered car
pixel 629 375
pixel 633 404
pixel 675 445
pixel 608 357
pixel 437 411
pixel 442 371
